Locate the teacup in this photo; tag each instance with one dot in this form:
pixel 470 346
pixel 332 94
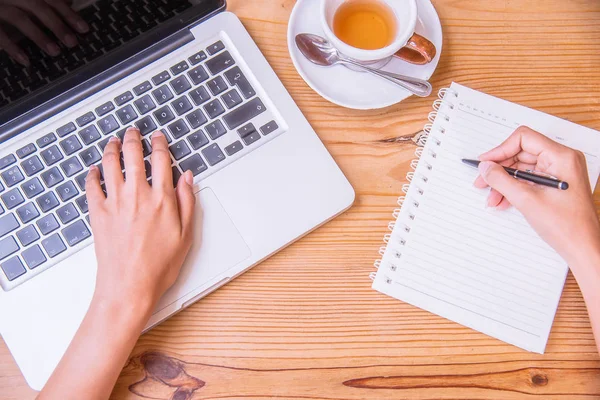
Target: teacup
pixel 404 44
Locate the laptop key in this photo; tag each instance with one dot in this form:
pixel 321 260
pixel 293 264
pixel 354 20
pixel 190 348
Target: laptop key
pixel 162 94
pixel 145 104
pixel 12 198
pixel 41 142
pixel 27 213
pixel 179 68
pixel 148 168
pixel 76 233
pixel 181 105
pixel 54 245
pixel 195 163
pixel 246 130
pixel 215 47
pixel 52 177
pixel 146 125
pixel 180 84
pixel 8 223
pixel 34 256
pixel 67 191
pixel 90 134
pixel 8 246
pixel 237 78
pixel 48 224
pixel 47 201
pixel 219 63
pixel 234 148
pixel 251 138
pixel 161 78
pixel 123 98
pixel 197 58
pixel 269 128
pixel 28 235
pixel 197 140
pixel 7 160
pixel 244 113
pixel 71 166
pixel 66 129
pixel 196 119
pixel 176 175
pixel 231 98
pixel 70 145
pixel 85 119
pixel 102 144
pixel 214 108
pixel 108 124
pixel 146 147
pixel 178 128
pixel 142 88
pixel 199 95
pixel 32 188
pixel 217 85
pixel 198 75
pixel 13 268
pixel 179 150
pixel 26 150
pixel 51 155
pixel 213 154
pixel 80 180
pixel 164 115
pixel 126 114
pixel 82 203
pixel 32 165
pixel 90 156
pixel 215 129
pixel 67 213
pixel 104 109
pixel 12 176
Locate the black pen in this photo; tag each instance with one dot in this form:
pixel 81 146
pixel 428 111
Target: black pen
pixel 527 176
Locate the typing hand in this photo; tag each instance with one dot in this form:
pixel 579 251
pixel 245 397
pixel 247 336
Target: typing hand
pixel 55 15
pixel 565 219
pixel 142 233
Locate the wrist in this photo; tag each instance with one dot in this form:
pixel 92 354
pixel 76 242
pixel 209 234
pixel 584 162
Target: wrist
pixel 120 311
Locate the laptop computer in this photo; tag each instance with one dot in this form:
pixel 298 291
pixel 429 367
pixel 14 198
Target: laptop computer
pixel 262 176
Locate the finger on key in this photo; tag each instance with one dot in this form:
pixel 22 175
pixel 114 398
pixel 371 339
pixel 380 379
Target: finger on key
pixel 162 175
pixel 111 164
pixel 134 158
pixel 93 190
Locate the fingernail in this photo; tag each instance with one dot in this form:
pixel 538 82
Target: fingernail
pixel 114 139
pixel 132 129
pixel 82 27
pixel 158 134
pixel 93 168
pixel 484 167
pixel 23 59
pixel 70 40
pixel 189 178
pixel 53 49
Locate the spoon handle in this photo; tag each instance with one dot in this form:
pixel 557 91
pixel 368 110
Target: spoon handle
pixel 418 87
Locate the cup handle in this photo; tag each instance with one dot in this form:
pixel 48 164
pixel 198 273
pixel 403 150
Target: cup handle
pixel 418 50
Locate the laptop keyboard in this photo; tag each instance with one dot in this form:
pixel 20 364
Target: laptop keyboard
pixel 206 107
pixel 112 23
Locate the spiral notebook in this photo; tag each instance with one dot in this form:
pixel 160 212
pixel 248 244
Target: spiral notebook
pixel 448 254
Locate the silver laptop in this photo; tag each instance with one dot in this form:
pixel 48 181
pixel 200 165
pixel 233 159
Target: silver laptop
pixel 262 176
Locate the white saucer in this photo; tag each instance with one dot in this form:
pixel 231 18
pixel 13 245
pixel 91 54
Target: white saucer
pixel 352 89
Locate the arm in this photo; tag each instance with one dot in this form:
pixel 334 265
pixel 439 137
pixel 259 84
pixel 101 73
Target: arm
pixel 142 235
pixel 566 220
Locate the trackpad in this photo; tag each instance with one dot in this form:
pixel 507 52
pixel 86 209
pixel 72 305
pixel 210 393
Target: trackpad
pixel 217 247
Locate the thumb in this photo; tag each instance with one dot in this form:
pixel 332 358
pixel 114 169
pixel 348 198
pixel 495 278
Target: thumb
pixel 497 178
pixel 186 201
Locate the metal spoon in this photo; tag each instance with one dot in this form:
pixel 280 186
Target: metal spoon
pixel 319 51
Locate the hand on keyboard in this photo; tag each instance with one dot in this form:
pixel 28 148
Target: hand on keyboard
pixel 142 233
pixel 55 15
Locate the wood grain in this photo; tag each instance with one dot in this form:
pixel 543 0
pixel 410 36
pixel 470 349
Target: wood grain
pixel 305 324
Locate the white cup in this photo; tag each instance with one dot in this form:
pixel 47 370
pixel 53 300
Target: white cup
pixel 406 44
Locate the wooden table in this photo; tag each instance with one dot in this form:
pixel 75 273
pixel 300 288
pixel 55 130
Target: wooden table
pixel 306 324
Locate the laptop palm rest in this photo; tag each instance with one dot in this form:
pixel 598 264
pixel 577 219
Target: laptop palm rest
pixel 217 247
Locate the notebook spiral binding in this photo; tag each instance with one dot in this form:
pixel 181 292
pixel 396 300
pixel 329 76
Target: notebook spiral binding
pixel 445 97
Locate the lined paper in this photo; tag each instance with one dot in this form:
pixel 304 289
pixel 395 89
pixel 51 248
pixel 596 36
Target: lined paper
pixel 450 255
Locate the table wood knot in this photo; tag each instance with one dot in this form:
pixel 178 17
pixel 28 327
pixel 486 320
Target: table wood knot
pixel 539 380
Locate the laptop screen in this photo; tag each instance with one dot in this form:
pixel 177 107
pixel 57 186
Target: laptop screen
pixel 51 45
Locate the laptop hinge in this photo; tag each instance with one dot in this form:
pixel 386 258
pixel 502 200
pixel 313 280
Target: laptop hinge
pixel 96 84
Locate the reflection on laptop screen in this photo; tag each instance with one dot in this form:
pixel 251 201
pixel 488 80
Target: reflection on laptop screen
pixel 110 24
